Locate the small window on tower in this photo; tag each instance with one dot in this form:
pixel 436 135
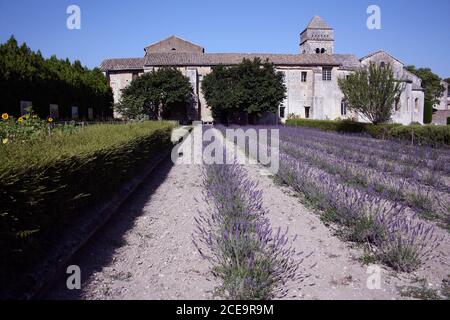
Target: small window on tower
pixel 173 49
pixel 317 50
pixel 383 64
pixel 322 51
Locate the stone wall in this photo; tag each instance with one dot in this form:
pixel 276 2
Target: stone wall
pixel 443 101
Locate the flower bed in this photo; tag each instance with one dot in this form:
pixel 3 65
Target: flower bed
pixel 374 190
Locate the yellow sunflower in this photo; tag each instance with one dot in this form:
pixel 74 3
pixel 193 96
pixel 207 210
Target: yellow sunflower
pixel 20 120
pixel 5 141
pixel 5 116
pixel 50 119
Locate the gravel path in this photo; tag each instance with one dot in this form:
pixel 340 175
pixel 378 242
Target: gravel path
pixel 146 252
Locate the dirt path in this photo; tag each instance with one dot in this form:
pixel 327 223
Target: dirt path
pixel 146 251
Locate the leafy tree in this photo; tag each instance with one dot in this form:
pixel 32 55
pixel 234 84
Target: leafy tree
pixel 431 82
pixel 156 94
pixel 372 92
pixel 252 87
pixel 27 75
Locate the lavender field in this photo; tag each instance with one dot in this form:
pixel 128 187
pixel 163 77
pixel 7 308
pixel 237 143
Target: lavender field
pixel 391 197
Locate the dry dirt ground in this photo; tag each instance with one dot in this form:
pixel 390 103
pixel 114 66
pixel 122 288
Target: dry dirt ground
pixel 146 252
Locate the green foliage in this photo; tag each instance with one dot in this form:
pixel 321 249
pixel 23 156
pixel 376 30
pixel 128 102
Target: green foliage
pixel 26 75
pixel 251 88
pixel 327 125
pixel 372 92
pixel 429 135
pixel 48 183
pixel 29 128
pixel 422 291
pixel 156 94
pixel 427 112
pixel 431 82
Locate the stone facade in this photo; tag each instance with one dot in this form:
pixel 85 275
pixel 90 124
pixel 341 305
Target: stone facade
pixel 444 100
pixel 311 77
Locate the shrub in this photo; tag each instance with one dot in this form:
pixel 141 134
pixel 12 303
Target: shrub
pixel 252 261
pixel 430 135
pixel 45 184
pixel 327 125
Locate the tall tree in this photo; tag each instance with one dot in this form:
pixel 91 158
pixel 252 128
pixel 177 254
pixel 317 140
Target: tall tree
pixel 252 87
pixel 372 92
pixel 155 94
pixel 431 82
pixel 27 75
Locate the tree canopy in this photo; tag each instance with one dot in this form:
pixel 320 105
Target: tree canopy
pixel 27 75
pixel 372 92
pixel 252 87
pixel 163 93
pixel 431 82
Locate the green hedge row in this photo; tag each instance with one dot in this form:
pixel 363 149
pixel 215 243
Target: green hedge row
pixel 47 184
pixel 430 135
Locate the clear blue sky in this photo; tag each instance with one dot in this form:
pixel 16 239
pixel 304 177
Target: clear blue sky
pixel 416 32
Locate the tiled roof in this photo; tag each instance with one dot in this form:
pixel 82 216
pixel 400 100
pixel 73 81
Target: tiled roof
pixel 212 59
pixel 416 87
pixel 122 64
pixel 347 61
pixel 380 51
pixel 317 23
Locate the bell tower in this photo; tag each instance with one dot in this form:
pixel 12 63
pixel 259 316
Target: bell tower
pixel 317 38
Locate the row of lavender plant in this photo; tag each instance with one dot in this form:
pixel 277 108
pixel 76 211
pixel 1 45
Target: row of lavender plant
pixel 251 260
pixel 370 160
pixel 422 199
pixel 410 187
pixel 399 240
pixel 425 157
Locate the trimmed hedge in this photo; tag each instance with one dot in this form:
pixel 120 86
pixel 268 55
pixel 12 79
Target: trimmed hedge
pixel 431 135
pixel 47 184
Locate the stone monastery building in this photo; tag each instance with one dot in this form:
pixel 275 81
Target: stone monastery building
pixel 311 76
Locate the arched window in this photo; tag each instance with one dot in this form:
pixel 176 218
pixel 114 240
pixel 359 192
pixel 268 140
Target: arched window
pixel 173 49
pixel 322 51
pixel 317 50
pixel 416 105
pixel 382 64
pixel 343 108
